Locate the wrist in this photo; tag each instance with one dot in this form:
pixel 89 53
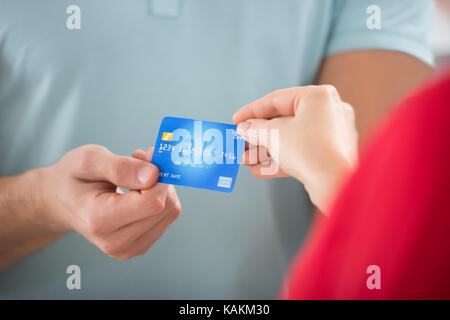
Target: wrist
pixel 35 205
pixel 323 186
pixel 29 192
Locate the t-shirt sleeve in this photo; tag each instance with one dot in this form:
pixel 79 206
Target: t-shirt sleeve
pixel 401 25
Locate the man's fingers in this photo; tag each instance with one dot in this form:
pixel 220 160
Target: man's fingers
pixel 131 173
pixel 124 242
pixel 139 154
pixel 142 155
pixel 149 154
pixel 123 238
pixel 143 243
pixel 275 104
pixel 117 210
pixel 98 163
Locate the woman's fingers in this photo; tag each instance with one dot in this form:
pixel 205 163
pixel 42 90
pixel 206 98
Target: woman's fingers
pixel 276 104
pixel 284 102
pixel 268 171
pixel 263 137
pixel 255 131
pixel 263 133
pixel 255 155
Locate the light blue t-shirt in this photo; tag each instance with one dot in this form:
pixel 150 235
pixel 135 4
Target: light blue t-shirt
pixel 133 62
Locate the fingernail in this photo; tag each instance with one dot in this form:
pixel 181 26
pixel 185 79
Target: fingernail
pixel 242 127
pixel 144 174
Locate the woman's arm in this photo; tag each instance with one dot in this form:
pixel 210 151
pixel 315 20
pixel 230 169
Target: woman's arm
pixel 370 80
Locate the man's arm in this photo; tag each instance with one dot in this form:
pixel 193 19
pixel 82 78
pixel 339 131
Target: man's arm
pixel 78 193
pixel 372 81
pixel 21 232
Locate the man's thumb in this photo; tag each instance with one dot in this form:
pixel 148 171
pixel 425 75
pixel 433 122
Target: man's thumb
pixel 131 173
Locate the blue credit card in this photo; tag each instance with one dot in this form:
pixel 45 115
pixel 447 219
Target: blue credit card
pixel 200 154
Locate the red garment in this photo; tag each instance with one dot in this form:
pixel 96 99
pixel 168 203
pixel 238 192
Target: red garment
pixel 394 212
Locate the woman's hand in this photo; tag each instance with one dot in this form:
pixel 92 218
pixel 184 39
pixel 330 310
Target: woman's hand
pixel 309 132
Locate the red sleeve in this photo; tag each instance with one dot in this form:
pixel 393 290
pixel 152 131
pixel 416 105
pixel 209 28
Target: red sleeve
pixel 394 213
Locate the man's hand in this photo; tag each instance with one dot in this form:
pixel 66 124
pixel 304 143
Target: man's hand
pixel 317 136
pixel 79 194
